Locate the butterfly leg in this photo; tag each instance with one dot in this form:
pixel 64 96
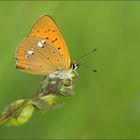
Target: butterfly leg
pixel 76 73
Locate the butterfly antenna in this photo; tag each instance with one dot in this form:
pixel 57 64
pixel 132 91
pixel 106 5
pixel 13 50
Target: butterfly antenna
pixel 88 67
pixel 82 56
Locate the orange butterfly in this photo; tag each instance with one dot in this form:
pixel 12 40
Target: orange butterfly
pixel 44 51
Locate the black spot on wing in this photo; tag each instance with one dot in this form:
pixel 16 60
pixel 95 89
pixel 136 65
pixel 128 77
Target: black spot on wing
pixel 54 40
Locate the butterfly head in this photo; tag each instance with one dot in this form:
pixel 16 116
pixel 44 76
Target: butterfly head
pixel 74 65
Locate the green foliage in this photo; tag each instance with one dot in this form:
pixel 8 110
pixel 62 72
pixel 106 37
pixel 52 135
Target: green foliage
pixel 23 115
pixel 21 110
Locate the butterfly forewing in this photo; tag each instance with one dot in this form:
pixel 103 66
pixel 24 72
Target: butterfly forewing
pixel 38 56
pixel 46 28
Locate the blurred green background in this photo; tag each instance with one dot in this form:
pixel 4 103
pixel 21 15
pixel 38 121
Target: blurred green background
pixel 107 103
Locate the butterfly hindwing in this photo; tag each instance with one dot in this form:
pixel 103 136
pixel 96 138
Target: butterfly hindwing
pixel 38 56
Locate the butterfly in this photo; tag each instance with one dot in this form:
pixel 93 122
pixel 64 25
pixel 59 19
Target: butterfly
pixel 44 51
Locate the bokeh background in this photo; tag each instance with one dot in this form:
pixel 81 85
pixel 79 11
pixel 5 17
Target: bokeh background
pixel 107 103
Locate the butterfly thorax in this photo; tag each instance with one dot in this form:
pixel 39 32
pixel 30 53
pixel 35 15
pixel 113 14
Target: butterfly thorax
pixel 64 73
pixel 74 65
